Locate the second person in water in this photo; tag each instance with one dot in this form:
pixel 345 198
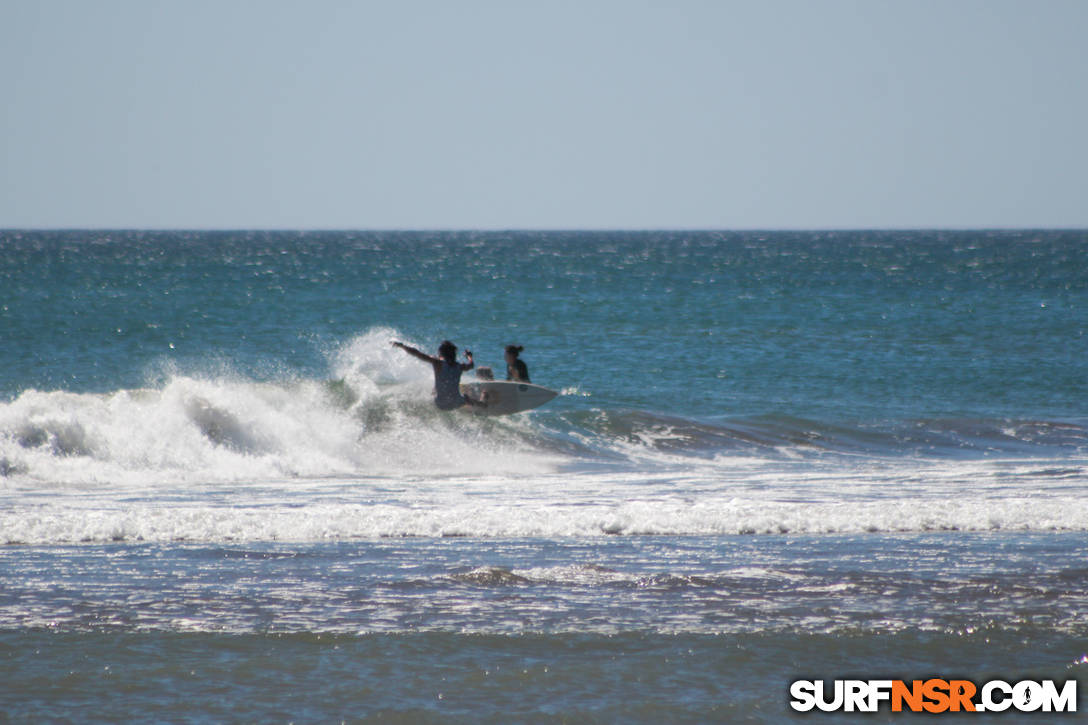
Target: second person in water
pixel 516 369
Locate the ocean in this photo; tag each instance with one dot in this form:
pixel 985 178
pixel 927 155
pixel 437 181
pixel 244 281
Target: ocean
pixel 775 456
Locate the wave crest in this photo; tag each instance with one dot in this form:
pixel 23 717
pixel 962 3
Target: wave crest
pixel 374 419
pixel 373 416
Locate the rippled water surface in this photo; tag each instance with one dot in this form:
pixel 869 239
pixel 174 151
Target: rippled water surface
pixel 224 496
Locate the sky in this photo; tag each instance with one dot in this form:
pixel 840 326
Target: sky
pixel 582 114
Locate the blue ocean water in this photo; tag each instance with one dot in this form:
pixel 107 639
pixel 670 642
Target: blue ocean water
pixel 225 496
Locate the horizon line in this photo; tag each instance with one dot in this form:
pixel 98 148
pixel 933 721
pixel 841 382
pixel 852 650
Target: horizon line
pixel 522 230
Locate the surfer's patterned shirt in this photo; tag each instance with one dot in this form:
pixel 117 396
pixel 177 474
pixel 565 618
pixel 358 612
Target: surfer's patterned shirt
pixel 447 386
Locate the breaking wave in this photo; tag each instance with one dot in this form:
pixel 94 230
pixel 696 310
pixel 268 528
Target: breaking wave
pixel 373 417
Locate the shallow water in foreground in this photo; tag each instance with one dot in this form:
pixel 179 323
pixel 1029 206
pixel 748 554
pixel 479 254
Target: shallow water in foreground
pixel 451 677
pixel 606 629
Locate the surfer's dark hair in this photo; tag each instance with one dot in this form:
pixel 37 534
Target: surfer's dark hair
pixel 514 349
pixel 447 350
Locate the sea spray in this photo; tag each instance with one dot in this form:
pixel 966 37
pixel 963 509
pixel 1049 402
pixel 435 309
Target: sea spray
pixel 376 418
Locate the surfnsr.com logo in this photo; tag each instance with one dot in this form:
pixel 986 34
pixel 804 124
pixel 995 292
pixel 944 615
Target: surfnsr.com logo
pixel 933 696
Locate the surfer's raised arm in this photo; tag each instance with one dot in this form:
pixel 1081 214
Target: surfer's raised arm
pixel 414 352
pixel 431 359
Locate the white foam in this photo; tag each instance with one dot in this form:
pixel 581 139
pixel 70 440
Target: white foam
pixel 377 420
pixel 507 506
pixel 369 361
pixel 229 459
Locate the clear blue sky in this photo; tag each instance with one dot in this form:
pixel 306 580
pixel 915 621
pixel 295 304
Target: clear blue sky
pixel 483 115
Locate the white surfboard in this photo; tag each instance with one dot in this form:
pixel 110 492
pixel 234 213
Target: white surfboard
pixel 504 397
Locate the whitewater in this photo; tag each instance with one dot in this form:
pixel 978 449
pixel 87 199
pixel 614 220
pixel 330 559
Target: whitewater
pixel 364 454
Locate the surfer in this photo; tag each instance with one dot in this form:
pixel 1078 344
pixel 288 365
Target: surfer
pixel 516 369
pixel 447 374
